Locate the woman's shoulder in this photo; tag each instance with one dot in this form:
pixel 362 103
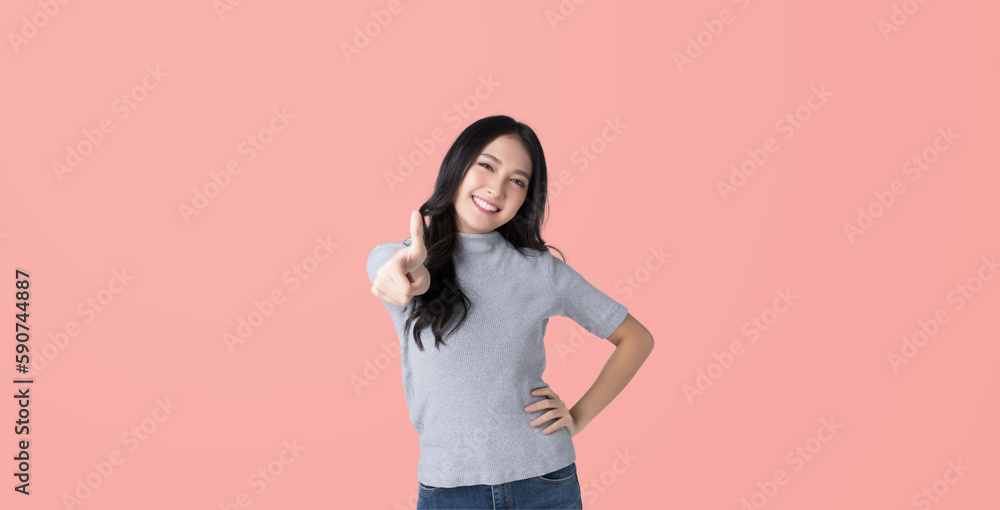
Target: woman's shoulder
pixel 543 262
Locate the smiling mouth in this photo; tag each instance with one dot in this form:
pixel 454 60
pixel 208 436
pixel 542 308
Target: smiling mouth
pixel 484 205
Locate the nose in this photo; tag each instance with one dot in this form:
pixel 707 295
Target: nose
pixel 491 189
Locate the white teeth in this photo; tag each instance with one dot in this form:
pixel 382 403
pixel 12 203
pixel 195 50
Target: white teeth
pixel 484 205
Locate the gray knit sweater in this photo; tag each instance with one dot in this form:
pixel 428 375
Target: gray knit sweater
pixel 467 400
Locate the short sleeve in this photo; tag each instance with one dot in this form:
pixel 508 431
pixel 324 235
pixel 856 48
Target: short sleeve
pixel 581 301
pixel 379 255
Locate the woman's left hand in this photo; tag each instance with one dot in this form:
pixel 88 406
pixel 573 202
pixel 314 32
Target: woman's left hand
pixel 558 412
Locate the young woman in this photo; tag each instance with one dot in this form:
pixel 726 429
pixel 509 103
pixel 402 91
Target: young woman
pixel 481 285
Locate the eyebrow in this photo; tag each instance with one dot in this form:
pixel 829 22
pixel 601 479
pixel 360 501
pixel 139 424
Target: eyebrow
pixel 494 158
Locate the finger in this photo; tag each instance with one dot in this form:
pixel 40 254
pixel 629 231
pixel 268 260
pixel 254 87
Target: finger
pixel 535 406
pixel 413 256
pixel 541 404
pixel 416 252
pixel 551 415
pixel 417 229
pixel 545 390
pixel 560 423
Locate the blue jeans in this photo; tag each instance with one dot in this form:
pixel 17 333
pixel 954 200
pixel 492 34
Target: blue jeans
pixel 558 489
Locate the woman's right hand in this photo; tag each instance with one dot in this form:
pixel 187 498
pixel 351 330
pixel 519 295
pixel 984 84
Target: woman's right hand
pixel 404 274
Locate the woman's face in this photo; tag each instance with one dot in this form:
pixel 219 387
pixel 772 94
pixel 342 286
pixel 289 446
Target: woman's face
pixel 499 176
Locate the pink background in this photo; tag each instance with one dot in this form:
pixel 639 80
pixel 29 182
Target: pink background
pixel 323 175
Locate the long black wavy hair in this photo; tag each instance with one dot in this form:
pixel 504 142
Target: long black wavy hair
pixel 443 299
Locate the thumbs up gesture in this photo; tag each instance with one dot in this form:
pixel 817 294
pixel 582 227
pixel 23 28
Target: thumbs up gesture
pixel 404 274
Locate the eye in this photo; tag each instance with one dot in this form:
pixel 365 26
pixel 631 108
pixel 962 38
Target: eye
pixel 518 181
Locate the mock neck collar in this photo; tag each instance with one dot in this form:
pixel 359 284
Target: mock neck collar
pixel 478 243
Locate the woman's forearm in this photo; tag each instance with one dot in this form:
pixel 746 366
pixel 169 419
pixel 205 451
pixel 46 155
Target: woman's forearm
pixel 623 364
